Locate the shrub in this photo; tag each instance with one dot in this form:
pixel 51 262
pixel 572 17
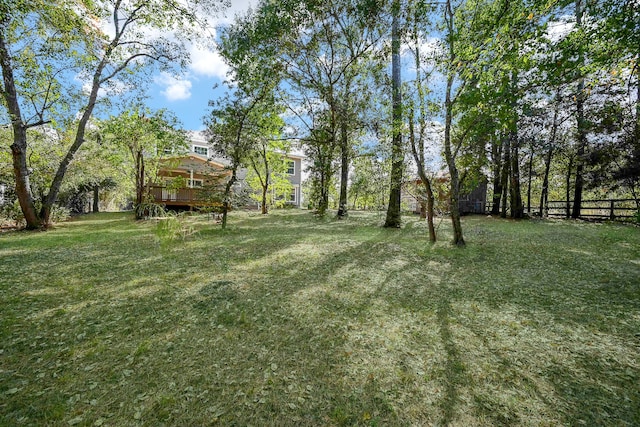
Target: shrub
pixel 147 210
pixel 60 213
pixel 173 227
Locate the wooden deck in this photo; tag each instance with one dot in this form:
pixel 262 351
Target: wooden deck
pixel 187 197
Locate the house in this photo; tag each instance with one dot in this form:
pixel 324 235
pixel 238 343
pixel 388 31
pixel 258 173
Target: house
pixel 294 174
pixel 469 202
pixel 193 179
pixel 188 181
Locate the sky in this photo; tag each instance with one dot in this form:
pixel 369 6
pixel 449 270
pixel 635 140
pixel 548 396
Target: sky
pixel 188 95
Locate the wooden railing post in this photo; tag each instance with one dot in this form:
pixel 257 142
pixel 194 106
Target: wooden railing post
pixel 611 213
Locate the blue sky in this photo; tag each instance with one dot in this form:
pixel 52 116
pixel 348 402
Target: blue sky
pixel 188 95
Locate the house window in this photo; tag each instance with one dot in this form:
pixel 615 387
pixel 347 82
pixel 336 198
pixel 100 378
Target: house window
pixel 193 183
pixel 289 197
pixel 291 167
pixel 199 149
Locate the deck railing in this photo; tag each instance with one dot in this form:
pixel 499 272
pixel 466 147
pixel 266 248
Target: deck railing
pixel 181 196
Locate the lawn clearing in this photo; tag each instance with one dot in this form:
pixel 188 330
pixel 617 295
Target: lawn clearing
pixel 292 320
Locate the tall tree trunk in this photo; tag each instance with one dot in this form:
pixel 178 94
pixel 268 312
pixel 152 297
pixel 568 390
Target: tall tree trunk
pixel 496 156
pixel 19 145
pixel 454 207
pixel 636 134
pixel 529 178
pixel 394 219
pixel 544 194
pixel 506 173
pixel 344 166
pixel 515 195
pixel 581 128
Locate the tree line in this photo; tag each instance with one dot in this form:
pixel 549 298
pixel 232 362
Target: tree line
pixel 540 97
pixel 491 86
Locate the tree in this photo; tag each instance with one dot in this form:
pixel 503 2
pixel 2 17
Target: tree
pixel 147 136
pixel 234 127
pixel 100 57
pixel 268 159
pixel 394 218
pixel 450 99
pixel 33 38
pixel 419 139
pixel 318 48
pixel 581 124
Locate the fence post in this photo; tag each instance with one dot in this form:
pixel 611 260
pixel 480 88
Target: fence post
pixel 611 214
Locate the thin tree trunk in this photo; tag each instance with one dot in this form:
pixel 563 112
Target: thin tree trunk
pixel 344 167
pixel 264 209
pixel 568 194
pixel 96 199
pixel 636 134
pixel 506 172
pixel 496 156
pixel 544 194
pixel 529 178
pixel 54 189
pixel 426 206
pixel 581 128
pixel 515 195
pixel 458 239
pixel 394 219
pixel 19 145
pixel 226 205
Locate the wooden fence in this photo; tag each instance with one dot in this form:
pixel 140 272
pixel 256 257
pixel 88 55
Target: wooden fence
pixel 595 209
pixel 602 209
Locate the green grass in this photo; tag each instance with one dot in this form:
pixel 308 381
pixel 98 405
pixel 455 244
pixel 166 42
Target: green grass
pixel 291 320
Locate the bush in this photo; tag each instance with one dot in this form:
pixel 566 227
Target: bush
pixel 147 210
pixel 173 227
pixel 60 213
pixel 11 213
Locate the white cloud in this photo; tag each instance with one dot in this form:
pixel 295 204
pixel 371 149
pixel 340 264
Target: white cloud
pixel 175 89
pixel 208 63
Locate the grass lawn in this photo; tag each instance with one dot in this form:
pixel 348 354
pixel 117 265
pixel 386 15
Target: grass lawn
pixel 290 320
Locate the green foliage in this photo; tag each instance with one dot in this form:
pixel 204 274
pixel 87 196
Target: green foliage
pixel 146 210
pixel 11 213
pixel 173 227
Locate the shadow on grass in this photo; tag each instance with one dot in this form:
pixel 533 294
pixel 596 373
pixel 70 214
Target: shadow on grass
pixel 454 369
pixel 314 323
